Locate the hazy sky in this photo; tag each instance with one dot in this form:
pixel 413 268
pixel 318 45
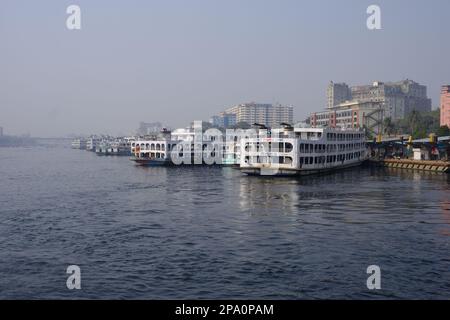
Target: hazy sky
pixel 177 61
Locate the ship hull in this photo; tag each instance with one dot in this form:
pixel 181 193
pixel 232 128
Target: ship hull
pixel 295 172
pixel 151 162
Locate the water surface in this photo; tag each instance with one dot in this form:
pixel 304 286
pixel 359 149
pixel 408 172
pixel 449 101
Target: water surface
pixel 210 232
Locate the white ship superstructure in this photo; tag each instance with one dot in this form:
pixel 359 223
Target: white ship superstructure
pixel 187 146
pixel 301 151
pixel 79 143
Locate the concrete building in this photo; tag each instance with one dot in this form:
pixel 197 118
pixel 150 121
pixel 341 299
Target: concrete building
pixel 398 98
pixel 223 120
pixel 1 131
pixel 263 113
pixel 351 114
pixel 337 93
pixel 445 106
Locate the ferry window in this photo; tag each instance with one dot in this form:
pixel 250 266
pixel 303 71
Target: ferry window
pixel 288 147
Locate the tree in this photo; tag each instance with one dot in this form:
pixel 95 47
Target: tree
pixel 443 131
pixel 418 124
pixel 388 126
pixel 241 125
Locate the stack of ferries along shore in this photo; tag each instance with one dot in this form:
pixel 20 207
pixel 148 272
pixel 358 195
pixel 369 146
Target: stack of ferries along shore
pixel 303 151
pixel 158 150
pixel 283 151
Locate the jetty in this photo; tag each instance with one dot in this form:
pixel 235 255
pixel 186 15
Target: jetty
pixel 437 166
pixel 429 154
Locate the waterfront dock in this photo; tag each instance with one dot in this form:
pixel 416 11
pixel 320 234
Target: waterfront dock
pixel 430 154
pixel 433 165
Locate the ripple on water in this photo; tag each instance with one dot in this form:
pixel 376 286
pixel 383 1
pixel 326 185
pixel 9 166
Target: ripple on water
pixel 209 232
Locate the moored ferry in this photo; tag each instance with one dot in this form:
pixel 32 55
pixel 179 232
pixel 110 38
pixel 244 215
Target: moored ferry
pixel 181 147
pixel 302 151
pixel 153 152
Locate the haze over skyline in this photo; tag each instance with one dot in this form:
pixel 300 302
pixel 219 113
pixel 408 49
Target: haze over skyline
pixel 178 61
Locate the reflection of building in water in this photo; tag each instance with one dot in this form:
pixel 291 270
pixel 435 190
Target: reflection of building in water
pixel 445 206
pixel 268 194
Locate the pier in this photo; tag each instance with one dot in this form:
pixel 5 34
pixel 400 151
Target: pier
pixel 437 166
pixel 429 154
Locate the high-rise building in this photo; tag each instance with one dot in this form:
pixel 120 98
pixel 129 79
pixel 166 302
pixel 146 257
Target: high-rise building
pixel 337 93
pixel 399 98
pixel 1 131
pixel 263 113
pixel 223 120
pixel 445 106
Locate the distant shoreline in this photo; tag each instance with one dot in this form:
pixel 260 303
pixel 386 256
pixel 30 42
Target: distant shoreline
pixel 13 141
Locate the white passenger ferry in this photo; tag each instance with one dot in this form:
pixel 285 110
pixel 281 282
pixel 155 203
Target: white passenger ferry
pixel 302 151
pixel 181 146
pixel 153 152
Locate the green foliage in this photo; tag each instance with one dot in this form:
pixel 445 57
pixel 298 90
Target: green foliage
pixel 418 124
pixel 388 125
pixel 241 125
pixel 443 131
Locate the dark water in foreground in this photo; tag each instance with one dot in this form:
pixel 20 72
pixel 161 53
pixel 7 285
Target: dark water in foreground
pixel 209 232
